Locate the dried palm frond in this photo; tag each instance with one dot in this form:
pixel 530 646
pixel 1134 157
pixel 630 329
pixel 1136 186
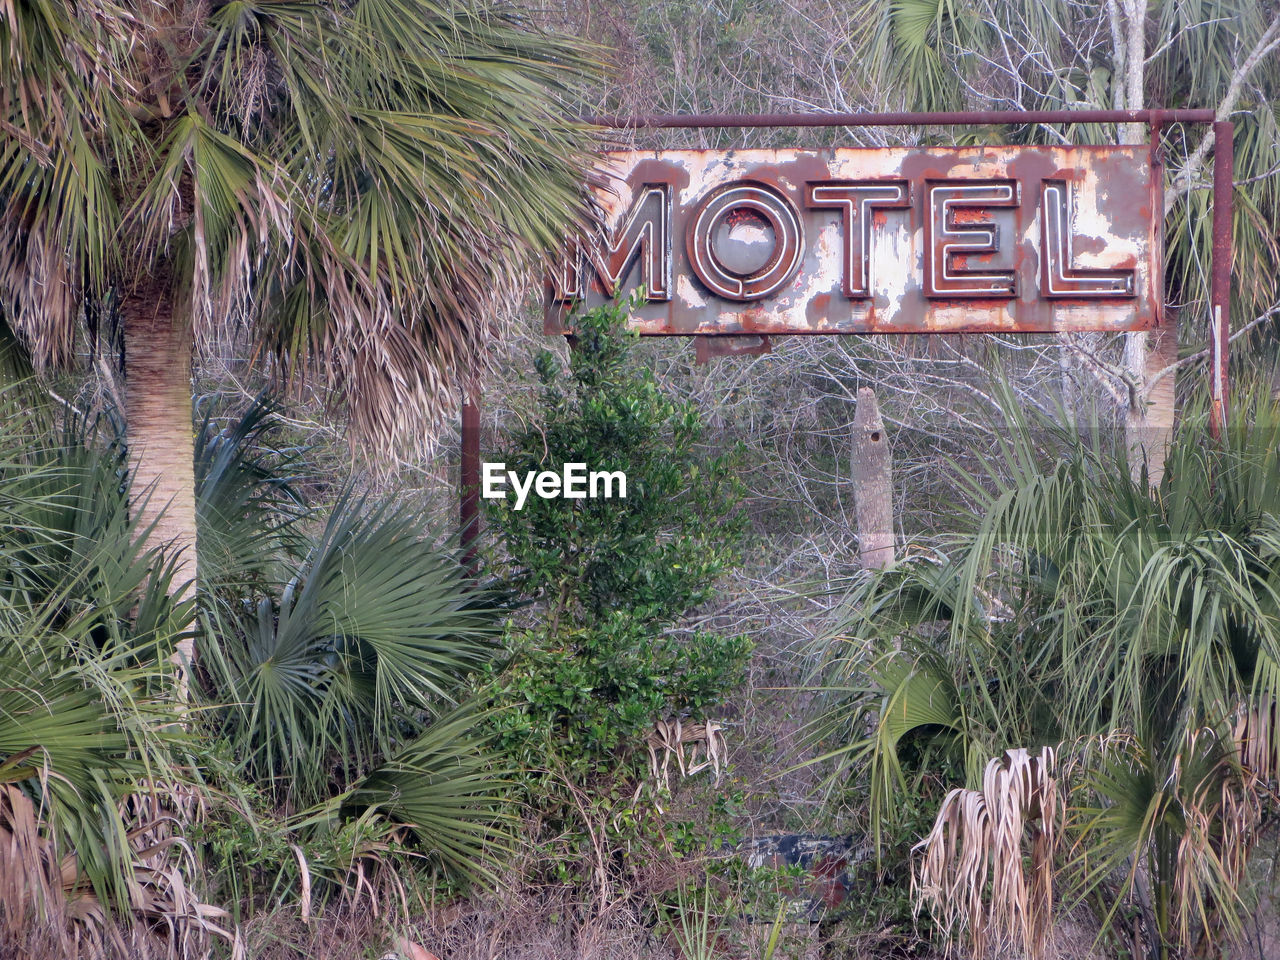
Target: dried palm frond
pixel 1255 734
pixel 667 739
pixel 44 888
pixel 1220 813
pixel 972 874
pixel 1181 818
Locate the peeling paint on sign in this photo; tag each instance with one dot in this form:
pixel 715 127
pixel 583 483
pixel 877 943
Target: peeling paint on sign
pixel 896 240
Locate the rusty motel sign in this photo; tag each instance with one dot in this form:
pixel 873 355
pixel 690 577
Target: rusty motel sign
pixel 1030 239
pixel 894 240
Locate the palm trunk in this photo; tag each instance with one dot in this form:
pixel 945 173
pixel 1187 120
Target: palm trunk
pixel 1148 420
pixel 158 350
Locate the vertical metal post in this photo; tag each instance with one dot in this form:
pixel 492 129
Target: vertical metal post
pixel 469 475
pixel 1220 276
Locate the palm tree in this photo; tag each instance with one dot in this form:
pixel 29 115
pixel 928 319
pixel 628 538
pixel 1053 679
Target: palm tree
pixel 1113 54
pixel 350 183
pixel 1134 632
pixel 343 646
pixel 89 778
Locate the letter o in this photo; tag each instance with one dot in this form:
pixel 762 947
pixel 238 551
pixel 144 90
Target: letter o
pixel 788 240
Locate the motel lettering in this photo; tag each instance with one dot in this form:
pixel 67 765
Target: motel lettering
pixel 860 241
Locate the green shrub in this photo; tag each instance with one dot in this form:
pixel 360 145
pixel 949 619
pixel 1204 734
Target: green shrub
pixel 655 554
pixel 593 692
pixel 600 653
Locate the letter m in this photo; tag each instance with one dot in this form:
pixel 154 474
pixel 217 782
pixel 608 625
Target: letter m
pixel 643 234
pixel 608 479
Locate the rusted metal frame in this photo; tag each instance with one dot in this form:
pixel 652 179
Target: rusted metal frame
pixel 1221 264
pixel 901 119
pixel 1220 292
pixel 469 479
pixel 1220 276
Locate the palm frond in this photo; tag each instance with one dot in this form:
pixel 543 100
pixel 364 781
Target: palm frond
pixel 370 637
pixel 357 184
pixel 1085 608
pixel 444 787
pixel 87 724
pixel 247 503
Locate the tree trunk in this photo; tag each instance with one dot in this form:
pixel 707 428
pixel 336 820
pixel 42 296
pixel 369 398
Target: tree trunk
pixel 1148 418
pixel 158 350
pixel 872 483
pixel 1148 421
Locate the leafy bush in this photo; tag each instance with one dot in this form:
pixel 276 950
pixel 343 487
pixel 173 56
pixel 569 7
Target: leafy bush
pixel 599 654
pixel 655 554
pixel 593 692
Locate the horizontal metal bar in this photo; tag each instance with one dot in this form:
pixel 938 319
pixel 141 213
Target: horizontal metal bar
pixel 943 118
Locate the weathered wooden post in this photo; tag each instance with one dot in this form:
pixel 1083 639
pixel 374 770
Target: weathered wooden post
pixel 469 476
pixel 872 469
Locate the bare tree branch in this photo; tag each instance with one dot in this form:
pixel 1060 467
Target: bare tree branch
pixel 1190 171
